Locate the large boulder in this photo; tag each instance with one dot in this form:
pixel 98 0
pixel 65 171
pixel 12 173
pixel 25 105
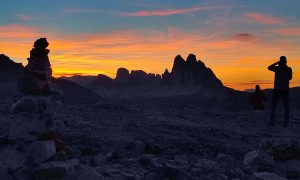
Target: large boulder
pixel 57 170
pixel 32 117
pixel 38 151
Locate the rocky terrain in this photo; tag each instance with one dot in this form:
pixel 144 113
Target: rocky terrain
pixel 136 141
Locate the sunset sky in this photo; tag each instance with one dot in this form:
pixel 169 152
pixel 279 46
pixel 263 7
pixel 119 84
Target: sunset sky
pixel 237 39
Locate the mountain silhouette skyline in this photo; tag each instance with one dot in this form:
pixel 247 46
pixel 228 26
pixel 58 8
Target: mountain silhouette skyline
pixel 190 72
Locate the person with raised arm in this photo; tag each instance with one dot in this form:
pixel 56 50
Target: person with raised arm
pixel 283 75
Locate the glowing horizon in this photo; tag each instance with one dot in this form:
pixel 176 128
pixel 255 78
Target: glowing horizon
pixel 237 40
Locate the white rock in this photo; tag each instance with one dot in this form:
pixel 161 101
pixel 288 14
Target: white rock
pixel 31 104
pixel 259 158
pixel 27 126
pixel 267 176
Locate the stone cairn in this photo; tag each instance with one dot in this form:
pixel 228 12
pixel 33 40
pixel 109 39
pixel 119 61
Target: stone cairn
pixel 34 131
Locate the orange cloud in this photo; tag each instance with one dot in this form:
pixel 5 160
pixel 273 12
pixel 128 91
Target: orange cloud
pixel 234 62
pixel 174 11
pixel 262 18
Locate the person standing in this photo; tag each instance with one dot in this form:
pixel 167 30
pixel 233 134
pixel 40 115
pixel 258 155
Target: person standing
pixel 283 74
pixel 258 98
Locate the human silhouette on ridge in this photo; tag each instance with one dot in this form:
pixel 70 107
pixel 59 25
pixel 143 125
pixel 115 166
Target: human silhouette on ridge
pixel 283 74
pixel 258 98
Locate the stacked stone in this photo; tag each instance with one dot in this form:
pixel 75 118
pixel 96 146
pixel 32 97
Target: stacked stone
pixel 38 72
pixel 33 129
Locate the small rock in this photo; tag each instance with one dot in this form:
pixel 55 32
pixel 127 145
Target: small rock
pixel 152 149
pixel 181 159
pixel 99 159
pixel 206 165
pixel 176 172
pixel 111 156
pixel 135 147
pixel 225 158
pixel 259 160
pixel 88 173
pixel 149 160
pixel 266 176
pixel 228 170
pixel 219 177
pixel 30 104
pixel 110 169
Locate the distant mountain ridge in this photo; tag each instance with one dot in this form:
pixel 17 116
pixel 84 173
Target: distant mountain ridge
pixel 10 72
pixel 189 73
pixel 80 79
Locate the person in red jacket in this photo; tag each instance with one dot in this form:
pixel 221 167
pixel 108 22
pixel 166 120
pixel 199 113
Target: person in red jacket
pixel 283 75
pixel 258 98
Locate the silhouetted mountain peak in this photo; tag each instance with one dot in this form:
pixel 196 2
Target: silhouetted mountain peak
pixel 9 70
pixel 122 75
pixel 178 63
pixel 102 81
pixel 166 71
pixel 190 73
pixel 80 79
pixel 7 62
pixel 191 59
